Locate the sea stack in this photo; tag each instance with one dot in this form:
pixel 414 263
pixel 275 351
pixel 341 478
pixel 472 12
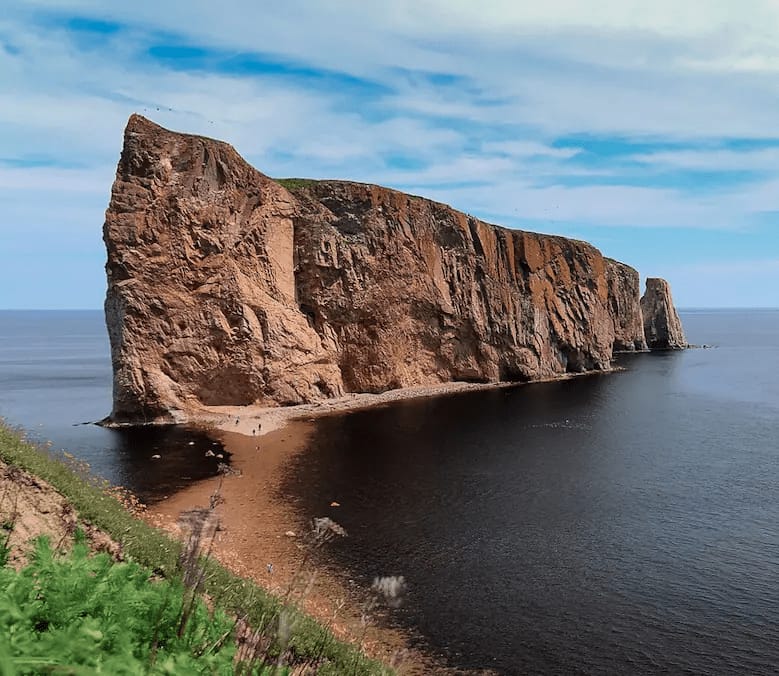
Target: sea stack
pixel 662 326
pixel 226 287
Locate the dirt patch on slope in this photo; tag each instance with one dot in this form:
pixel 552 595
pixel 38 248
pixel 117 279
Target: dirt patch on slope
pixel 30 507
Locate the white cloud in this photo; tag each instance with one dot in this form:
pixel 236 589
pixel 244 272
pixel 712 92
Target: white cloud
pixel 519 77
pixel 524 149
pixel 601 205
pixel 628 68
pixel 762 159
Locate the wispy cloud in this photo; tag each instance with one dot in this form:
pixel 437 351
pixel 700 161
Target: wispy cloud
pixel 717 159
pixel 638 116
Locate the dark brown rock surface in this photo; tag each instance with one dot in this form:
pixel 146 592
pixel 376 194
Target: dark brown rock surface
pixel 225 288
pixel 662 326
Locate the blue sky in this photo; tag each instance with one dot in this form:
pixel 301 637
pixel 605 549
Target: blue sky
pixel 648 129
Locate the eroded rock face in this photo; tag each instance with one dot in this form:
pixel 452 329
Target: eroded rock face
pixel 201 304
pixel 624 292
pixel 662 326
pixel 225 288
pixel 414 292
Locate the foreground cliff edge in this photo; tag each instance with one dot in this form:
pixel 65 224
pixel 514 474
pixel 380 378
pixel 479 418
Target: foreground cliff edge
pixel 226 288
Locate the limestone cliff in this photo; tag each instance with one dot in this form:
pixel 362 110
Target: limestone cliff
pixel 224 287
pixel 662 326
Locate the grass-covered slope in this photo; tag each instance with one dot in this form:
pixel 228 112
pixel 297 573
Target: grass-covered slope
pixel 296 183
pixel 77 613
pixel 149 551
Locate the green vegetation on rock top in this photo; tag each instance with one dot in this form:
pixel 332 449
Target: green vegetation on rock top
pixel 296 183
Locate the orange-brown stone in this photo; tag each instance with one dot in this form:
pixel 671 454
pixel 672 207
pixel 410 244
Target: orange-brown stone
pixel 226 288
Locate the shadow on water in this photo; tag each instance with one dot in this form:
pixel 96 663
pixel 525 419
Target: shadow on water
pixel 55 373
pixel 186 456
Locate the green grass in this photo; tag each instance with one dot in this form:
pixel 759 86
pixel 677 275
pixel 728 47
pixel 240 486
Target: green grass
pixel 296 183
pixel 77 613
pixel 154 549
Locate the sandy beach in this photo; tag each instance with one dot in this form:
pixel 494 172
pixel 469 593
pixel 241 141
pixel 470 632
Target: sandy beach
pixel 257 421
pixel 264 537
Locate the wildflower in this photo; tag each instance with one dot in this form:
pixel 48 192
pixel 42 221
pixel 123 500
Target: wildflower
pixel 226 470
pixel 325 527
pixel 391 588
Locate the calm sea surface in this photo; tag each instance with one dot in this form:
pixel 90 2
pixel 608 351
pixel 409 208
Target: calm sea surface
pixel 625 523
pixel 55 373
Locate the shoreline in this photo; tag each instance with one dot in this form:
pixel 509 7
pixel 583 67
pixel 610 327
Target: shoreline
pixel 262 526
pixel 258 421
pixel 262 536
pixel 56 497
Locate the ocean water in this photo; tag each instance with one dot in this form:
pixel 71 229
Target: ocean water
pixel 624 523
pixel 55 375
pixel 621 523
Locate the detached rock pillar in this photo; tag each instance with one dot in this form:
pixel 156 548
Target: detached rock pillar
pixel 662 326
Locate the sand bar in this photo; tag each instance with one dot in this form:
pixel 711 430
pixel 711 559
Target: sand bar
pixel 262 526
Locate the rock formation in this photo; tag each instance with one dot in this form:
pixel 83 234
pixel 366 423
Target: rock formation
pixel 662 326
pixel 227 288
pixel 624 287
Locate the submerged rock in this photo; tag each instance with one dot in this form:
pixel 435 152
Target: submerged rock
pixel 662 326
pixel 227 288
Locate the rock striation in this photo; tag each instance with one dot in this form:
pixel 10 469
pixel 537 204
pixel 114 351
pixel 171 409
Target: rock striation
pixel 662 326
pixel 227 288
